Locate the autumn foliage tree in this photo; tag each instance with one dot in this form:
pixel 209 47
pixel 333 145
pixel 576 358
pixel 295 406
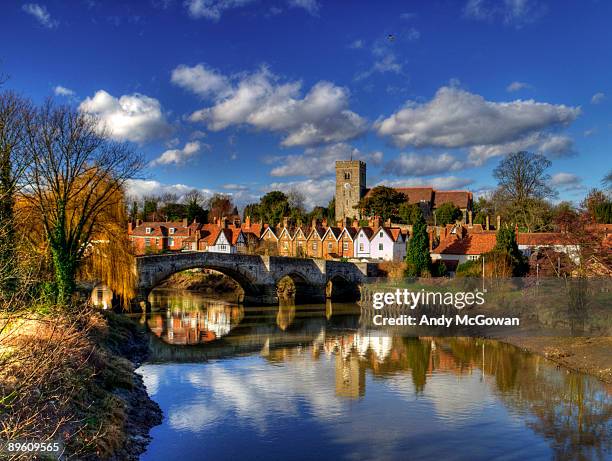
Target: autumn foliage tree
pixel 75 176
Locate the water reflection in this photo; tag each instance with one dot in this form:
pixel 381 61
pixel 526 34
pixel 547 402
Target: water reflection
pixel 310 382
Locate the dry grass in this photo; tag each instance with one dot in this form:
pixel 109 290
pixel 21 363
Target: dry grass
pixel 56 383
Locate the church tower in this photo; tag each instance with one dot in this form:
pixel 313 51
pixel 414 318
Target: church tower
pixel 350 187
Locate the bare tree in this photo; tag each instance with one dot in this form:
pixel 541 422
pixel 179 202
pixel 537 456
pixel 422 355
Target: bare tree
pixel 14 114
pixel 522 182
pixel 74 178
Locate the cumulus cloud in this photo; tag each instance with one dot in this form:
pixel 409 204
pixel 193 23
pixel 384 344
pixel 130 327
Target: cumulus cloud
pixel 517 86
pixel 63 91
pixel 441 182
pixel 321 161
pixel 139 188
pixel 566 181
pixel 422 165
pixel 200 80
pixel 456 118
pixel 515 13
pixel 598 98
pixel 212 9
pixel 259 100
pixel 178 156
pixel 316 191
pixel 552 145
pixel 41 14
pixel 311 6
pixel 134 117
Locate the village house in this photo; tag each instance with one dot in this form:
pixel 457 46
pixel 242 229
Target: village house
pixel 315 240
pixel 460 243
pixel 388 244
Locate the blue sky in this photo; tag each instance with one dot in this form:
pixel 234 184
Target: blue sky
pixel 243 96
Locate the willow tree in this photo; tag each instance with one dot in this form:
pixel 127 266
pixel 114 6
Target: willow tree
pixel 74 178
pixel 14 115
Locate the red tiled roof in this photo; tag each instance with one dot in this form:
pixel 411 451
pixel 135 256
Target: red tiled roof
pixel 417 194
pixel 471 244
pixel 541 238
pixel 459 198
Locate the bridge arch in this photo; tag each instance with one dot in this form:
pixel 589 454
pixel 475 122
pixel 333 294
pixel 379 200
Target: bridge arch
pixel 339 288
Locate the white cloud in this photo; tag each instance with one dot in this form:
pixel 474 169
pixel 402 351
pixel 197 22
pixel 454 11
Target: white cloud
pixel 134 117
pixel 422 165
pixel 261 101
pixel 590 132
pixel 457 118
pixel 41 14
pixel 212 9
pixel 598 98
pixel 178 156
pixel 232 186
pixel 552 145
pixel 316 191
pixel 357 44
pixel 200 80
pixel 385 59
pixel 516 13
pixel 441 182
pixel 311 6
pixel 567 182
pixel 63 91
pixel 517 86
pixel 321 161
pixel 139 188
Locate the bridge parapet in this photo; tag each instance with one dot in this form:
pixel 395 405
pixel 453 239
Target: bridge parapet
pixel 257 275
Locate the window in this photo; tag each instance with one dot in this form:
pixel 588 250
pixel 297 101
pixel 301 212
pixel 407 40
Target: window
pixel 345 246
pixel 347 175
pixel 148 230
pixel 172 229
pixel 285 245
pixel 380 246
pixel 330 246
pixel 361 247
pixel 147 242
pixel 300 244
pixel 157 242
pixel 170 242
pixel 381 234
pixel 472 257
pixel 314 245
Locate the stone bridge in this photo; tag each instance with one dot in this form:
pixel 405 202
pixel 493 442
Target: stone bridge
pixel 314 279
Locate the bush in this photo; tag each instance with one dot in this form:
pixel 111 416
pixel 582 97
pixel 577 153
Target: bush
pixel 469 269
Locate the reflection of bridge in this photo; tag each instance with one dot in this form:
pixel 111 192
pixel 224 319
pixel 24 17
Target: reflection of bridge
pixel 314 279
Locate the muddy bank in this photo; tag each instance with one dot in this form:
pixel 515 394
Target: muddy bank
pixel 129 340
pixel 205 282
pixel 591 356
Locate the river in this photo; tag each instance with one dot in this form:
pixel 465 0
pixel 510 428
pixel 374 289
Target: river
pixel 314 382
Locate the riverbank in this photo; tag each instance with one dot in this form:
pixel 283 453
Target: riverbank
pixel 70 378
pixel 592 356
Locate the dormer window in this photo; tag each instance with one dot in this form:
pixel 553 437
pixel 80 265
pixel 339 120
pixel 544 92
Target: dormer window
pixel 148 230
pixel 172 229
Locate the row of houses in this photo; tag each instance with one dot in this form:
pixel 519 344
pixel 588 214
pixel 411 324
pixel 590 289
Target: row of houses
pixel 319 240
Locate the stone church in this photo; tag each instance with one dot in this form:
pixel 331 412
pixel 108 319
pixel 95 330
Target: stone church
pixel 351 187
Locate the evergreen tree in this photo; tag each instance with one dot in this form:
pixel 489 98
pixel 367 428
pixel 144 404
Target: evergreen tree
pixel 506 244
pixel 418 257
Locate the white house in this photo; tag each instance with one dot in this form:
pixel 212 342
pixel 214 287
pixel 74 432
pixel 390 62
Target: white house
pixel 361 243
pixel 529 243
pixel 388 244
pixel 222 242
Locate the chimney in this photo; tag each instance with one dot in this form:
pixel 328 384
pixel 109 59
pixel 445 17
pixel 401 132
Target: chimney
pixel 388 222
pixel 355 224
pixel 130 227
pixel 247 222
pixel 498 223
pixel 185 222
pixel 470 218
pixel 286 222
pixel 324 223
pixel 314 223
pixel 376 222
pixel 224 222
pixel 138 222
pixel 487 225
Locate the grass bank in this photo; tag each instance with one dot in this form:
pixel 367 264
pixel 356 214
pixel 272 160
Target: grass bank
pixel 69 377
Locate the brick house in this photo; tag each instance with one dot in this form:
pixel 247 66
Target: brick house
pixel 330 243
pixel 459 244
pixel 314 247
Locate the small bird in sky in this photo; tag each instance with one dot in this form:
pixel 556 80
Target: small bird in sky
pixel 391 37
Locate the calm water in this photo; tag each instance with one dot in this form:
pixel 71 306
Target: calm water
pixel 313 382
